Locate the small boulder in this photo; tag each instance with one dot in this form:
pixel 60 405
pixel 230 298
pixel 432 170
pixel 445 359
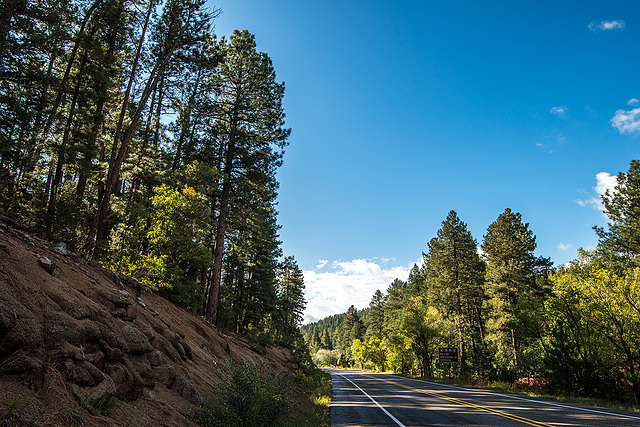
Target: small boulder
pixel 46 264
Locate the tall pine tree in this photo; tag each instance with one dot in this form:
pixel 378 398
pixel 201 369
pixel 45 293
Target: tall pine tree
pixel 455 274
pixel 249 121
pixel 510 279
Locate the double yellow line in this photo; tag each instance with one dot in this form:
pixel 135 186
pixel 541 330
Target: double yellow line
pixel 470 405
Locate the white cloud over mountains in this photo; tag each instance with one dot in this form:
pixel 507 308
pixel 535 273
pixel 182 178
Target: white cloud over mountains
pixel 332 287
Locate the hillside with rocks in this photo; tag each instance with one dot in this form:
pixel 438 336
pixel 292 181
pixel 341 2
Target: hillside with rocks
pixel 76 337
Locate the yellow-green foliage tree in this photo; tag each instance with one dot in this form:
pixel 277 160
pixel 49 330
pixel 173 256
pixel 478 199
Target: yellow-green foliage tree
pixel 400 358
pixel 176 239
pixel 426 329
pixel 371 353
pixel 610 304
pixel 359 352
pixel 167 246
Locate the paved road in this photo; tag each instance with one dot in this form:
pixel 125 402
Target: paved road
pixel 368 399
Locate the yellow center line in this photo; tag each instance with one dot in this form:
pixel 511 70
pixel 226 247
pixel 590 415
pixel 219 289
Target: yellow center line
pixel 471 405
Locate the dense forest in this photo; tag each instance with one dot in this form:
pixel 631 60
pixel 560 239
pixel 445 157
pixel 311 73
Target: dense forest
pixel 133 134
pixel 572 330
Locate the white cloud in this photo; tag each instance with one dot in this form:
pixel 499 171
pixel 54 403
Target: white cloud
pixel 606 25
pixel 627 121
pixel 633 102
pixel 544 147
pixel 605 181
pixel 347 283
pixel 559 111
pixel 564 247
pixel 612 25
pixel 549 141
pixel 321 263
pixel 482 254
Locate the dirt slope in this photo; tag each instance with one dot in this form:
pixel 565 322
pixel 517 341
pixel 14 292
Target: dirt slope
pixel 81 345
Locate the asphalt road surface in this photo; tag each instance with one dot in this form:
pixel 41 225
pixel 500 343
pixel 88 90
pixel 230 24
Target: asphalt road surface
pixel 371 399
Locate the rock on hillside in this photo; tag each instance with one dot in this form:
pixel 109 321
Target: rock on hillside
pixel 82 345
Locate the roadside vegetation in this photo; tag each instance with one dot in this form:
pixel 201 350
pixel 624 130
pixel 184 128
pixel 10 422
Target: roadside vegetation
pixel 517 322
pixel 246 396
pixel 313 408
pixel 255 396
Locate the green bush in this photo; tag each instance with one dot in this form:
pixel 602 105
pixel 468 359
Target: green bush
pixel 247 396
pixel 314 411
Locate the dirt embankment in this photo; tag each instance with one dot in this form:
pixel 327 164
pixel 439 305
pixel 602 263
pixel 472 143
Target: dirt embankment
pixel 82 345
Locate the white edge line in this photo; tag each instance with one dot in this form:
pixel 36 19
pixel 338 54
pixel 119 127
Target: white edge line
pixel 530 400
pixel 377 404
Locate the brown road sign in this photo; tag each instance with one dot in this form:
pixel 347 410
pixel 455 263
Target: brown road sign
pixel 448 354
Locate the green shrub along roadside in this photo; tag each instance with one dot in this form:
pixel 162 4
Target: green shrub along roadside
pixel 246 396
pixel 256 396
pixel 314 409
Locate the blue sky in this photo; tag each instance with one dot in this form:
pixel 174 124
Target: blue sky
pixel 403 110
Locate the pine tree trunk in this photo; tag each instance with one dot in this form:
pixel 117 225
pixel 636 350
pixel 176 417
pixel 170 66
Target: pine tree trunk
pixel 137 181
pixel 96 231
pixel 479 320
pixel 515 352
pixel 98 120
pixel 33 148
pixel 98 228
pixel 127 94
pixel 57 177
pixel 156 124
pixel 185 123
pixel 204 278
pixel 238 301
pixel 218 251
